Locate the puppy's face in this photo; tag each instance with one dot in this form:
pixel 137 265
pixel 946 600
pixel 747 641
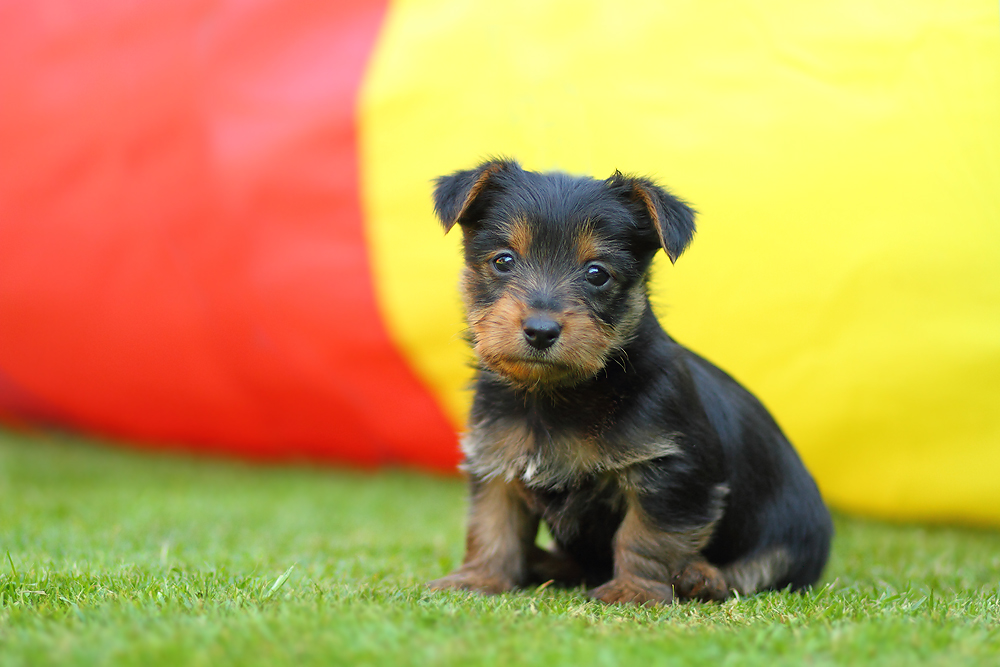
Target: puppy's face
pixel 554 281
pixel 549 299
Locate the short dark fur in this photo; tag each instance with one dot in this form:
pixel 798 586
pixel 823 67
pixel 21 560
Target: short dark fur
pixel 659 476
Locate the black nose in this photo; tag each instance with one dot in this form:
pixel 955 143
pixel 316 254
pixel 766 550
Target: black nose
pixel 541 332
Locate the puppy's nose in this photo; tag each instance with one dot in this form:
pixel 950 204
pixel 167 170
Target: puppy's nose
pixel 540 331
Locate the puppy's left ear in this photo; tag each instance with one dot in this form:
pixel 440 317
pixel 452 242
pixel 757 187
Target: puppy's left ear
pixel 670 217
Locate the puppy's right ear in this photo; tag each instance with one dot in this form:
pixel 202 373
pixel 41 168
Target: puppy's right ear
pixel 461 197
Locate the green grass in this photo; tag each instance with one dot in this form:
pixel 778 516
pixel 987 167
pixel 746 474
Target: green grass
pixel 117 557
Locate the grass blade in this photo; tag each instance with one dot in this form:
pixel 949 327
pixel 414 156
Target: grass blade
pixel 278 583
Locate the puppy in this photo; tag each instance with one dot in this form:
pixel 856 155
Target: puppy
pixel 659 476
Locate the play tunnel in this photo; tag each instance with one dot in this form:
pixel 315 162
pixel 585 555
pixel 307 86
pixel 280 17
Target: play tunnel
pixel 216 231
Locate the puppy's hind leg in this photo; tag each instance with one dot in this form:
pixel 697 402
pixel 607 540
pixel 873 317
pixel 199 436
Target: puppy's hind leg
pixel 759 572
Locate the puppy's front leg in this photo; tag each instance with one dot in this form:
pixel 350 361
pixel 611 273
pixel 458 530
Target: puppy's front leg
pixel 501 536
pixel 649 560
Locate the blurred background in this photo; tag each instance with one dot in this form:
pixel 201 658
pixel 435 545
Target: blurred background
pixel 216 232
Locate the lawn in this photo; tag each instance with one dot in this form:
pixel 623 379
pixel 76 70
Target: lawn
pixel 116 557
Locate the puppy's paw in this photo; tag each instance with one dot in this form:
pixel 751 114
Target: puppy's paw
pixel 700 581
pixel 472 579
pixel 634 590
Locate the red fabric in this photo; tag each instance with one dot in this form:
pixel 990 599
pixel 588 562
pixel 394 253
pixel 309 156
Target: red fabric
pixel 182 252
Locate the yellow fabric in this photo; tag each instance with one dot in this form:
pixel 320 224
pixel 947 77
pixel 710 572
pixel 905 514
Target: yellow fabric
pixel 844 156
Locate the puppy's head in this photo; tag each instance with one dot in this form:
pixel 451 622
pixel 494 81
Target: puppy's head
pixel 555 266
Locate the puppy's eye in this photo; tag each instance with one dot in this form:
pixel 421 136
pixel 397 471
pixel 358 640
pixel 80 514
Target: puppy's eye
pixel 597 275
pixel 504 262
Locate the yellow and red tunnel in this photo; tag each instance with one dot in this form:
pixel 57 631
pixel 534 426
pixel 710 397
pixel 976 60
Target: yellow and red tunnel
pixel 216 230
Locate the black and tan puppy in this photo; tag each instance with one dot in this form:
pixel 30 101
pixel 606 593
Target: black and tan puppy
pixel 658 475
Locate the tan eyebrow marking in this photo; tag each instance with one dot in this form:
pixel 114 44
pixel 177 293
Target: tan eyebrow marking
pixel 588 245
pixel 519 236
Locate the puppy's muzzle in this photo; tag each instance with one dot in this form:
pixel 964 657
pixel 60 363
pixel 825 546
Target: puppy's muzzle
pixel 541 331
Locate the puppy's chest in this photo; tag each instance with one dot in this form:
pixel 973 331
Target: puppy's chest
pixel 514 451
pixel 518 450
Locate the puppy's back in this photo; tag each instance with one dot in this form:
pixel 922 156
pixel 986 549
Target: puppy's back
pixel 773 503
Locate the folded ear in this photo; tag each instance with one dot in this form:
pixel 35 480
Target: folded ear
pixel 669 217
pixel 460 197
